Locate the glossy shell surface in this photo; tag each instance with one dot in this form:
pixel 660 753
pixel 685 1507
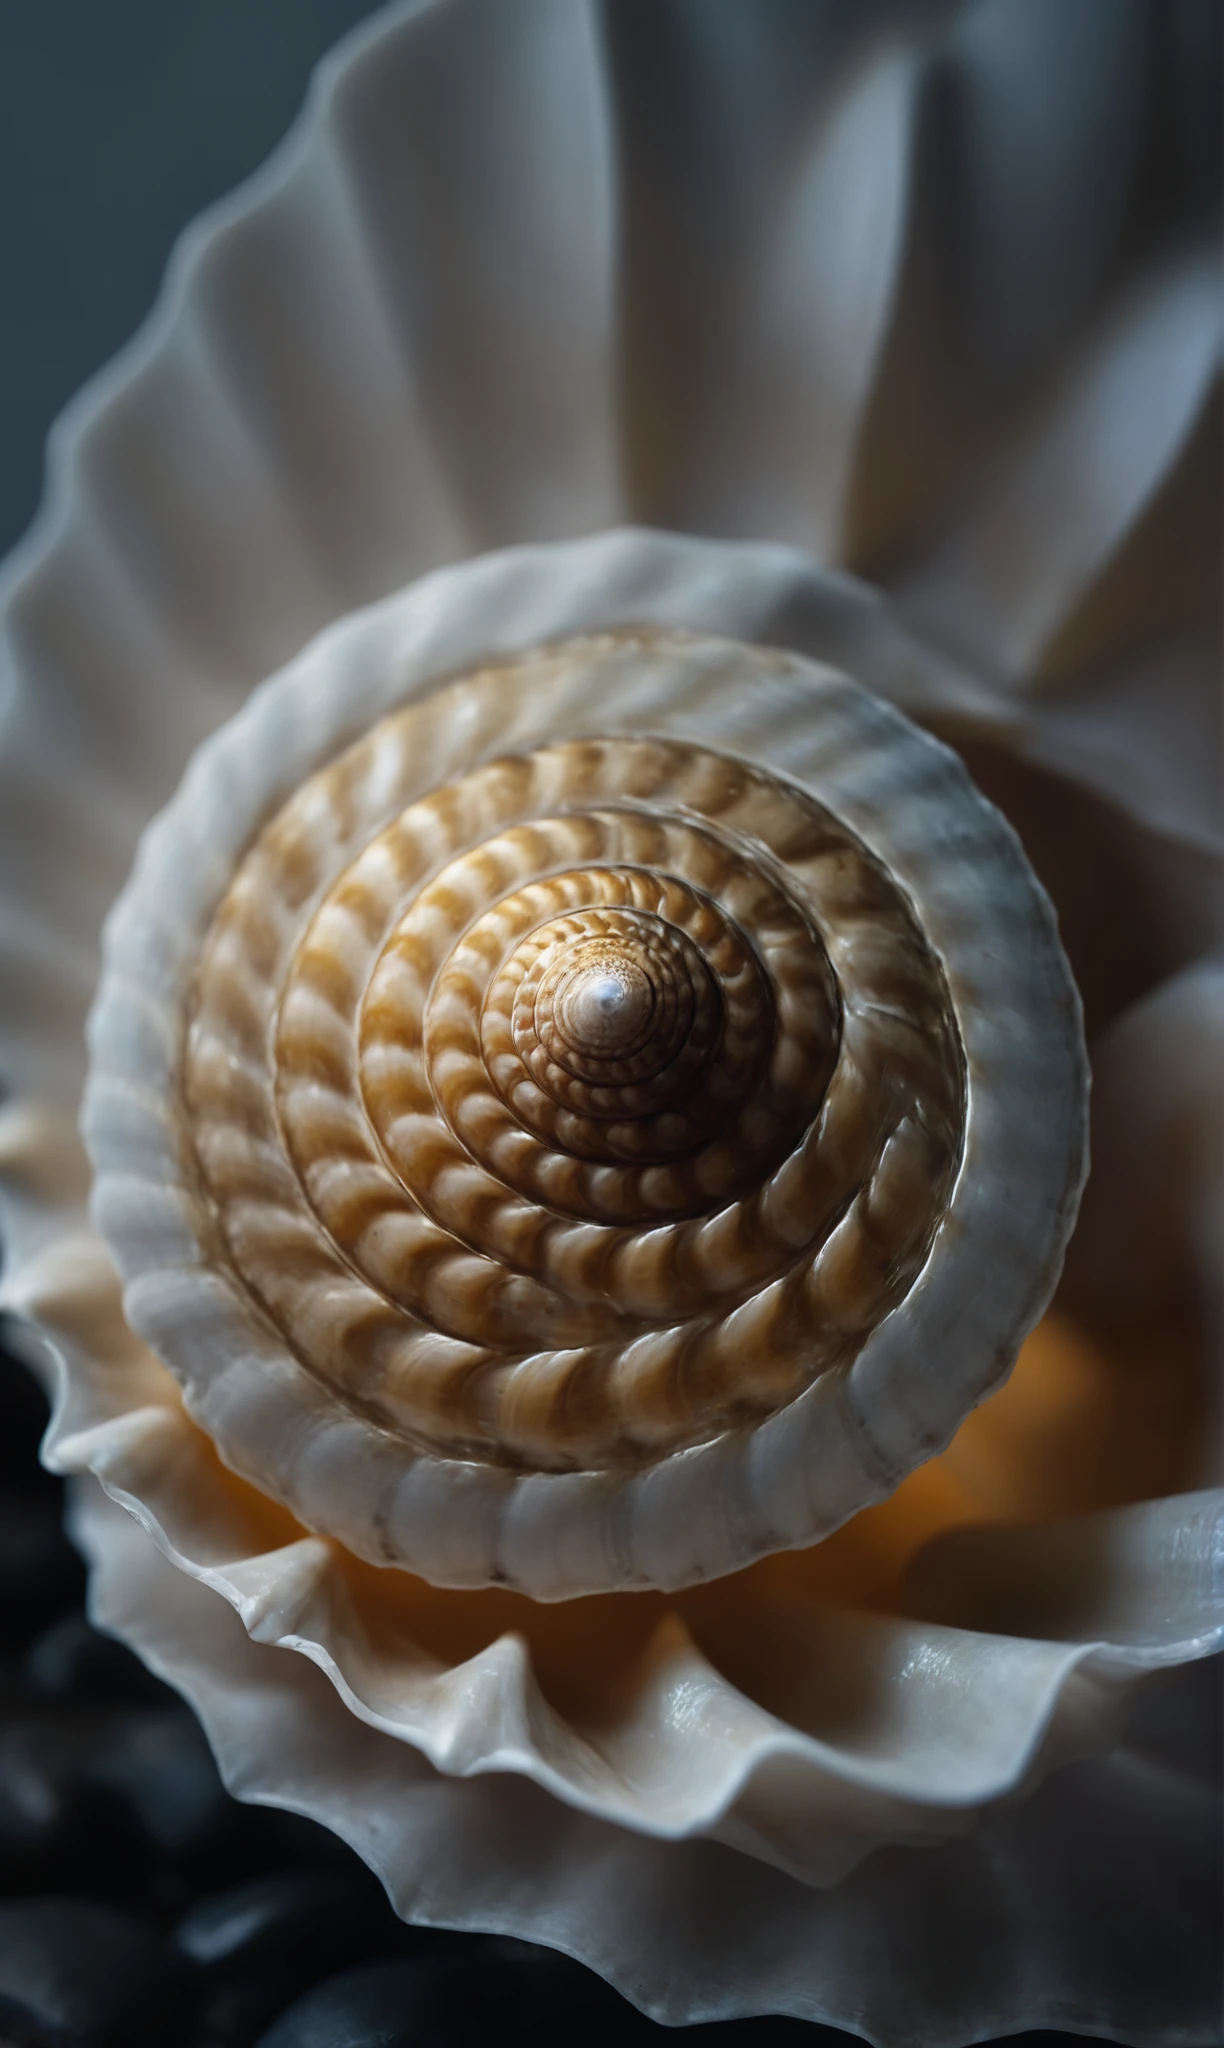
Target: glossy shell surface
pixel 473 1287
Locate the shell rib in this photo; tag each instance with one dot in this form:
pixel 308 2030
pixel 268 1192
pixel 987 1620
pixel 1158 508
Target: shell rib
pixel 504 1228
pixel 607 1122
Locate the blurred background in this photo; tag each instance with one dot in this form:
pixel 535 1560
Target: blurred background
pixel 118 122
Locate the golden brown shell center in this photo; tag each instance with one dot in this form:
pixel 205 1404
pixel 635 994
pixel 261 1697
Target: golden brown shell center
pixel 604 1005
pixel 578 1109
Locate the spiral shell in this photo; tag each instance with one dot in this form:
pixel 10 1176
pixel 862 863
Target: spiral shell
pixel 605 1122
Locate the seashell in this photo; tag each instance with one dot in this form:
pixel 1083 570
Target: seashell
pixel 976 385
pixel 606 1123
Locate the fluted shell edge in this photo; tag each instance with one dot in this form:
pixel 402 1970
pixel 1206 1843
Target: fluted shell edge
pixel 617 642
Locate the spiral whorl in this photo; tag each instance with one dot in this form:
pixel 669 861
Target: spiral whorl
pixel 598 1007
pixel 589 1103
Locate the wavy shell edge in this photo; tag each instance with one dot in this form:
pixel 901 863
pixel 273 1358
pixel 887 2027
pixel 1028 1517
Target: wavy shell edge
pixel 839 1446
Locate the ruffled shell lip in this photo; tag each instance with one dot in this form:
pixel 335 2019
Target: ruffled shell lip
pixel 488 1715
pixel 283 1738
pixel 691 1753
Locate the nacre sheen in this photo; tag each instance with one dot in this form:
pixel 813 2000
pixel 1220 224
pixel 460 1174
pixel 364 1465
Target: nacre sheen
pixel 585 1106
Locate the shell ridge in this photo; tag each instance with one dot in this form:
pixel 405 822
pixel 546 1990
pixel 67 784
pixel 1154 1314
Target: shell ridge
pixel 871 1248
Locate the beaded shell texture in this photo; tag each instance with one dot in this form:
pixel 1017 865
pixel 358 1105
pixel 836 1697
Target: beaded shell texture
pixel 543 1105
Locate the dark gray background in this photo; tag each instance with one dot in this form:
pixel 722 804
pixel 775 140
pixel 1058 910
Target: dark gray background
pixel 119 120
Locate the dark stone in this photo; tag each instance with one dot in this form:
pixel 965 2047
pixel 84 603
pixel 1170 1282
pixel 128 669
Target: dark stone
pixel 78 1975
pixel 268 1839
pixel 1046 2040
pixel 235 2013
pixel 34 1803
pixel 260 1944
pixel 157 1768
pixel 70 1661
pixel 100 1798
pixel 770 2033
pixel 557 1994
pixel 23 1416
pixel 40 1572
pixel 332 1915
pixel 421 2001
pixel 55 1828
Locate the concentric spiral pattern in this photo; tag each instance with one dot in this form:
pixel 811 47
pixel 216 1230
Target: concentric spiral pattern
pixel 581 1108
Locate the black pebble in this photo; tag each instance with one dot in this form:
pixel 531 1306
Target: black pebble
pixel 426 2001
pixel 57 1829
pixel 768 2033
pixel 271 1839
pixel 40 1572
pixel 78 1975
pixel 23 1413
pixel 103 1798
pixel 333 1914
pixel 70 1661
pixel 560 1999
pixel 256 1946
pixel 40 1829
pixel 157 1768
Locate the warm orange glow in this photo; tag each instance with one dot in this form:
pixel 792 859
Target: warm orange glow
pixel 1079 1425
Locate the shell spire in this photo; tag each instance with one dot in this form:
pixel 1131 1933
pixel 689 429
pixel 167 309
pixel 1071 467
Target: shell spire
pixel 585 1098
